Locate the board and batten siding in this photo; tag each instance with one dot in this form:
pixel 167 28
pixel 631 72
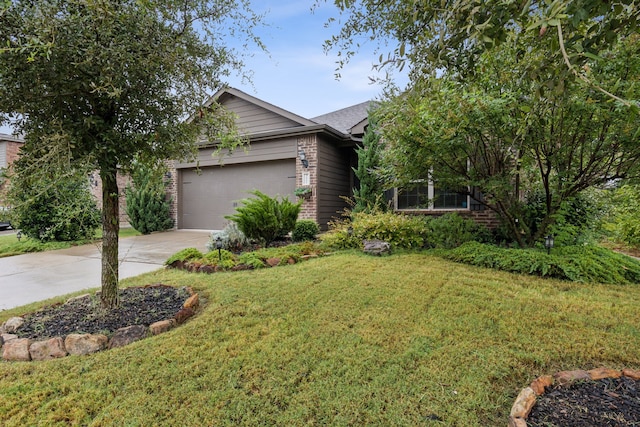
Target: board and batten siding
pixel 255 119
pixel 334 180
pixel 278 149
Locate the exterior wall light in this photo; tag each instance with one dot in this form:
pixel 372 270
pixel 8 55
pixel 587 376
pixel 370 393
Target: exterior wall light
pixel 548 243
pixel 303 159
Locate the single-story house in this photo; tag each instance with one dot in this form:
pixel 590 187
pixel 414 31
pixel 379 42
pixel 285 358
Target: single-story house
pixel 287 151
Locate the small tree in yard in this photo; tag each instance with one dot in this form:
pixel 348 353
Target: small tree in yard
pixel 147 204
pixel 107 83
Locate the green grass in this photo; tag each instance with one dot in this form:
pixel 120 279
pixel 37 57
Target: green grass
pixel 10 246
pixel 344 340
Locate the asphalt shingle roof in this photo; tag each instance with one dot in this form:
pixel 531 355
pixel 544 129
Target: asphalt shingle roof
pixel 343 120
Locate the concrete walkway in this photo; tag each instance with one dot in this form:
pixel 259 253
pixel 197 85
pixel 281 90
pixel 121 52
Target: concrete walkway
pixel 38 276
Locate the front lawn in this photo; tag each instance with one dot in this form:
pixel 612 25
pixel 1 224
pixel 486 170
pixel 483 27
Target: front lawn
pixel 409 339
pixel 10 245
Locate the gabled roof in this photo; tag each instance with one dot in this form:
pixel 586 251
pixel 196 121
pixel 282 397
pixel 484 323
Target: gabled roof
pixel 229 91
pixel 346 119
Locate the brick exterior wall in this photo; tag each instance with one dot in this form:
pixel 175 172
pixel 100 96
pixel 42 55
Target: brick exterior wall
pixel 96 190
pixel 485 217
pixel 12 153
pixel 309 145
pixel 172 191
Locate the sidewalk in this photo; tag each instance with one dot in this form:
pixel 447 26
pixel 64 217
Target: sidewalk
pixel 38 276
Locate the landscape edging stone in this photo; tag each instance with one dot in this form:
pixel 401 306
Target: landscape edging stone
pixel 188 310
pixel 527 397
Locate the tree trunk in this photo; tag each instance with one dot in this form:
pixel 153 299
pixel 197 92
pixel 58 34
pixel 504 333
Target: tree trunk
pixel 110 229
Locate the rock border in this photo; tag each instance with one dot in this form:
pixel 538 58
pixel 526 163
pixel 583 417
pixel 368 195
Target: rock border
pixel 15 349
pixel 527 397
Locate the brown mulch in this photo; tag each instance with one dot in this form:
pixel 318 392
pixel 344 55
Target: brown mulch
pixel 138 306
pixel 610 402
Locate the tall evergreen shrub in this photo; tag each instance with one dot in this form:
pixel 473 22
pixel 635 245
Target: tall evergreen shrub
pixel 147 203
pixel 370 192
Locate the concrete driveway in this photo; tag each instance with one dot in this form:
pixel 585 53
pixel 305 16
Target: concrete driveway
pixel 34 277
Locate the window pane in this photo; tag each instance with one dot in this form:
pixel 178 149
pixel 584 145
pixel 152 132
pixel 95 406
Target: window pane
pixel 415 198
pixel 447 199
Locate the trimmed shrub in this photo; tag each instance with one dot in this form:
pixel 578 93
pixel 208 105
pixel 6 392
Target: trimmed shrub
pixel 266 218
pixel 187 254
pixel 305 229
pixel 452 230
pixel 588 264
pixel 400 231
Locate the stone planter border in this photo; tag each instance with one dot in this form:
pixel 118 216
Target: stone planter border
pixel 527 397
pixel 24 349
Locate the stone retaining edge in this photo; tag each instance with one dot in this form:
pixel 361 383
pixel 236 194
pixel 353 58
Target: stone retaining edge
pixel 527 397
pixel 25 352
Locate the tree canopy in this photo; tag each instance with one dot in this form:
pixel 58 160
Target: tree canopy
pixel 110 81
pixel 493 133
pixel 431 36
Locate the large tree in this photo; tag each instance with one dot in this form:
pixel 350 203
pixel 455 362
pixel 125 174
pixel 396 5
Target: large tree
pixel 433 35
pixel 509 136
pixel 109 81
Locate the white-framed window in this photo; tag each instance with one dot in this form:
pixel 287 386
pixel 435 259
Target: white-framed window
pixel 427 197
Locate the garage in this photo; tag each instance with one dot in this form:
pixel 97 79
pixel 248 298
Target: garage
pixel 209 194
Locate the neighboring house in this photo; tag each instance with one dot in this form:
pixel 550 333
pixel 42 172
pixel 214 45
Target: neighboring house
pixel 9 151
pixel 206 190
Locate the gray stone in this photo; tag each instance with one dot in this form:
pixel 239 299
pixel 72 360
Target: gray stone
pixel 12 325
pixel 125 336
pixel 72 299
pixel 47 350
pixel 6 337
pixel 376 247
pixel 85 343
pixel 17 350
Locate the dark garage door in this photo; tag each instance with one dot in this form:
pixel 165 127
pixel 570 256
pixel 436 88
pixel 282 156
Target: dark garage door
pixel 205 198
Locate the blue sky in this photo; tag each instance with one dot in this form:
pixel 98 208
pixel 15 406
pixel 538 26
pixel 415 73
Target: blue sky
pixel 296 74
pixel 299 76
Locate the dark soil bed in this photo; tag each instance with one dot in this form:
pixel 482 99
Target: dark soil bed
pixel 610 402
pixel 138 306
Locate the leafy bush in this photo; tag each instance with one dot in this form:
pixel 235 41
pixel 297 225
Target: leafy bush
pixel 266 218
pixel 184 255
pixel 622 221
pixel 452 230
pixel 400 231
pixel 574 263
pixel 147 204
pixel 59 210
pixel 305 229
pixel 231 237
